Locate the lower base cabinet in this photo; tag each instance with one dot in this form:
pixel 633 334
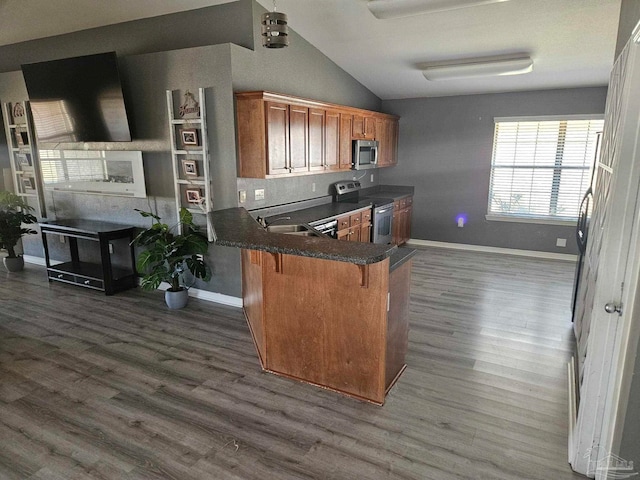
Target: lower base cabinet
pixel 402 212
pixel 334 324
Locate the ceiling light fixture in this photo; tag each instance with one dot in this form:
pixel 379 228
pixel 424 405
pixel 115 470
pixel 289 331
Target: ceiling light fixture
pixel 275 32
pixel 477 67
pixel 384 9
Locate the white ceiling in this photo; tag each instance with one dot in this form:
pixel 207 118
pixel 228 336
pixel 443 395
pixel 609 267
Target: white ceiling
pixel 572 42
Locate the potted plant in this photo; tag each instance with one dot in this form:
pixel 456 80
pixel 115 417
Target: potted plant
pixel 168 255
pixel 14 212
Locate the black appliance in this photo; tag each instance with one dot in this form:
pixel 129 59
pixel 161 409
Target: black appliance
pixel 77 99
pixel 582 233
pixel 329 228
pixel 582 227
pixel 382 218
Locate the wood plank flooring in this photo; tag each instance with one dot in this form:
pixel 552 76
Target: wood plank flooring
pixel 96 387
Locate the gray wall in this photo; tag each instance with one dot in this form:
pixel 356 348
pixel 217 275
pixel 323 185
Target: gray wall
pixel 304 71
pixel 230 22
pixel 445 148
pixel 299 69
pixel 629 18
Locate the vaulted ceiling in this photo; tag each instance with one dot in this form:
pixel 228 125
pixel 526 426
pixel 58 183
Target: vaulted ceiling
pixel 571 42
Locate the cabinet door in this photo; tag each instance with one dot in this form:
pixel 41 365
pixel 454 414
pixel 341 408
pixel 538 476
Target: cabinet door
pixel 343 234
pixel 393 141
pixel 382 135
pixel 365 233
pixel 354 234
pixel 298 138
pixel 396 223
pixel 407 223
pixel 346 143
pixel 364 127
pixel 332 140
pixel 316 139
pixel 277 138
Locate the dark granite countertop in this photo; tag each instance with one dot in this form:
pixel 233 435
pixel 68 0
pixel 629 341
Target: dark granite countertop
pixel 235 227
pixel 400 256
pixel 320 212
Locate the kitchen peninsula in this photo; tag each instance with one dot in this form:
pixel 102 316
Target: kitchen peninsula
pixel 323 311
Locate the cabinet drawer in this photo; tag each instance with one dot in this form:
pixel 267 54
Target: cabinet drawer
pixel 403 203
pixel 355 219
pixel 409 201
pixel 67 277
pixel 366 217
pixel 343 222
pixel 89 282
pixel 396 205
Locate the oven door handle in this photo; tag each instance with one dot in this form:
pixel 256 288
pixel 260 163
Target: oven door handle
pixel 382 211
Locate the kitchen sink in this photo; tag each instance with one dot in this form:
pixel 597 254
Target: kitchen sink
pixel 300 230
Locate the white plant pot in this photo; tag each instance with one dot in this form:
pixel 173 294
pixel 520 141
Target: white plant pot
pixel 176 300
pixel 13 264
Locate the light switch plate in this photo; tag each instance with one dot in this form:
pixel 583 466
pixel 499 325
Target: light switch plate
pixel 259 194
pixel 561 242
pixel 242 196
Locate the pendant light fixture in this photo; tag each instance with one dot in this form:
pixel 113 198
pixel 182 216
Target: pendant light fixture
pixel 275 32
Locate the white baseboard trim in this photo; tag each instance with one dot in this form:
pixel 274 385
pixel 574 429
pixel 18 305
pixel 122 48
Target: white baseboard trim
pixel 482 248
pixel 209 296
pixel 193 292
pixel 37 260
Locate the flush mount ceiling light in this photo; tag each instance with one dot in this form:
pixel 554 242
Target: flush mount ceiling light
pixel 384 9
pixel 275 32
pixel 477 67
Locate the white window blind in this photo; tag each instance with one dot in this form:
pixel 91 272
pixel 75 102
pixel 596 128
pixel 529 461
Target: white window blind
pixel 541 168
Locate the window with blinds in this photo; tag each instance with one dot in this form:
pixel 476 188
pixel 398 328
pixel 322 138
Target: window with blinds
pixel 541 168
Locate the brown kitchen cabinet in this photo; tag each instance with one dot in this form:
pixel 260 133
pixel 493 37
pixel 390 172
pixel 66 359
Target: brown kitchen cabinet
pixel 364 126
pixel 387 136
pixel 355 227
pixel 354 344
pixel 285 135
pixel 402 212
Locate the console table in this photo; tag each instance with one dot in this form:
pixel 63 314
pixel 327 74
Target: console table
pixel 101 276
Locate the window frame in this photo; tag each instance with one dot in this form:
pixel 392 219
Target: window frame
pixel 535 219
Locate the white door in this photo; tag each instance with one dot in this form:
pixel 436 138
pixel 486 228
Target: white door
pixel 611 270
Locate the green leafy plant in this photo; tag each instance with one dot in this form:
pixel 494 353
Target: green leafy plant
pixel 168 255
pixel 14 212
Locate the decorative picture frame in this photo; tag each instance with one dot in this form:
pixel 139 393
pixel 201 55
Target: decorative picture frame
pixel 28 183
pixel 17 112
pixel 190 168
pixel 24 160
pixel 189 137
pixel 20 138
pixel 194 195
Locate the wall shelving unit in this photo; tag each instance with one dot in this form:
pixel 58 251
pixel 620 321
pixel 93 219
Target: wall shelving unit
pixel 190 157
pixel 23 154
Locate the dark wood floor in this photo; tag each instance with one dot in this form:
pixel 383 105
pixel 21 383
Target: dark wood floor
pixel 96 387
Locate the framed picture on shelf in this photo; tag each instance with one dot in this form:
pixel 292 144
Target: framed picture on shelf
pixel 194 195
pixel 190 168
pixel 28 183
pixel 24 160
pixel 17 113
pixel 20 139
pixel 189 137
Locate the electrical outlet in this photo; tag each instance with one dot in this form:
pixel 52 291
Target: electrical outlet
pixel 242 196
pixel 313 187
pixel 111 248
pixel 372 178
pixel 460 222
pixel 63 239
pixel 259 194
pixel 561 242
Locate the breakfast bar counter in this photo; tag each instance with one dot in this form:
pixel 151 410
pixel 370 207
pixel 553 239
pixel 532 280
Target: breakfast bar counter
pixel 326 312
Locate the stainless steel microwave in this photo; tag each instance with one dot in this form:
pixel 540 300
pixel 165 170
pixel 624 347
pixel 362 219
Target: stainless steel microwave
pixel 365 154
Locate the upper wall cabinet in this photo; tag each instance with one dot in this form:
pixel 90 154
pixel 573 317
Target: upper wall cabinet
pixel 285 135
